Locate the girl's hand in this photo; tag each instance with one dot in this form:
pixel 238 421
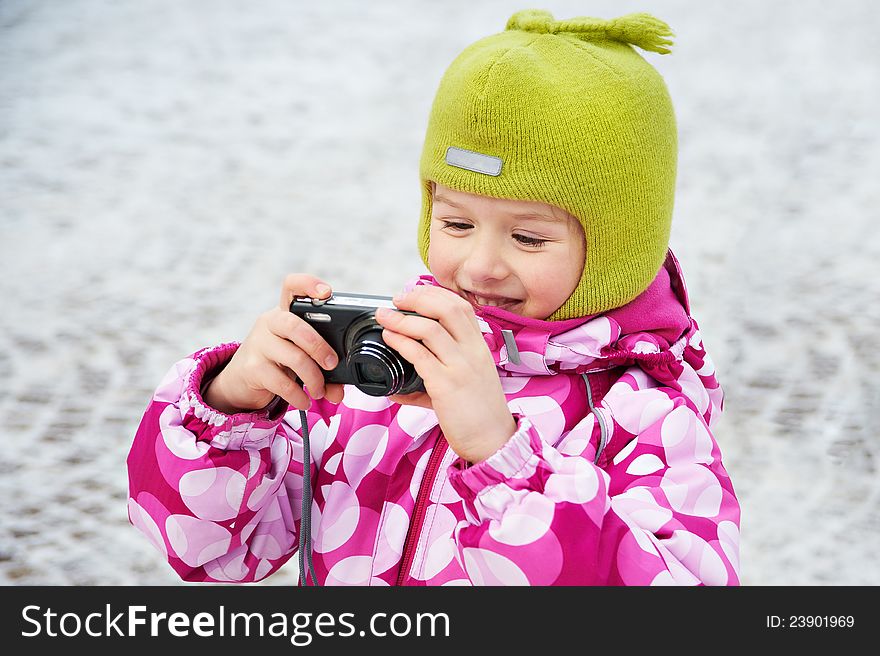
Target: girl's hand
pixel 460 377
pixel 279 347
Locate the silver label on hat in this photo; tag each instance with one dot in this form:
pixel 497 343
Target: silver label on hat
pixel 471 161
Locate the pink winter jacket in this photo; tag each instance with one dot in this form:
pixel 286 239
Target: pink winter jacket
pixel 613 476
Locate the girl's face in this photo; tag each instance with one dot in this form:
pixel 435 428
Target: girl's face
pixel 523 256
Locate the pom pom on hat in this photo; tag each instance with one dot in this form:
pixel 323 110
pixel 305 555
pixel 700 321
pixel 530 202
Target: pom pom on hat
pixel 642 30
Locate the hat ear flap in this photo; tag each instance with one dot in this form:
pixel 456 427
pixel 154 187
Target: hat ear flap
pixel 424 235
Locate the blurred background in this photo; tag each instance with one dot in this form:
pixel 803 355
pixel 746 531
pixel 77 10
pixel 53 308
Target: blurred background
pixel 163 164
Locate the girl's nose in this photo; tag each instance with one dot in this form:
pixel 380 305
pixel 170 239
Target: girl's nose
pixel 484 260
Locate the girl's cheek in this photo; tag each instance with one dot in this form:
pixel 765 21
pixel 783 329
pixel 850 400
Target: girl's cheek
pixel 439 261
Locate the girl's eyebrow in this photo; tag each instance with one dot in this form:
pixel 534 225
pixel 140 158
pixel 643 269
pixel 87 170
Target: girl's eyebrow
pixel 443 199
pixel 537 216
pixel 520 215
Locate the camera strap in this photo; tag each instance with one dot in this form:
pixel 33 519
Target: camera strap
pixel 305 524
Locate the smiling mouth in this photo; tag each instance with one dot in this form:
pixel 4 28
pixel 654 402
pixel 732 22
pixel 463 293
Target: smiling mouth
pixel 491 301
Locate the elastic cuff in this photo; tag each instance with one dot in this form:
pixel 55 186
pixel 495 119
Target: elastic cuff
pixel 224 431
pixel 521 452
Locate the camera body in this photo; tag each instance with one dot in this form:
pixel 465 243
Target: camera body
pixel 348 324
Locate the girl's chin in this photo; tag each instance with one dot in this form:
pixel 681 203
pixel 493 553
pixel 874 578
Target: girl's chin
pixel 513 307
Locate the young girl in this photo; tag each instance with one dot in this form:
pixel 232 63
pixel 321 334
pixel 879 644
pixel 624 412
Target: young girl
pixel 564 434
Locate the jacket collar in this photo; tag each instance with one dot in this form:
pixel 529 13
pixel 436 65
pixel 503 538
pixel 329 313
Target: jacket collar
pixel 651 326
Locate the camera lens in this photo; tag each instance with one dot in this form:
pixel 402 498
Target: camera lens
pixel 371 372
pixel 378 370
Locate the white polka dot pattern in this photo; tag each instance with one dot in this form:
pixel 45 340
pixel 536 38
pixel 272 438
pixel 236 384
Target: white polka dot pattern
pixel 638 498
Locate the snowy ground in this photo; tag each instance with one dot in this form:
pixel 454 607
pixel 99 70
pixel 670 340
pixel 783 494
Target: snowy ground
pixel 164 163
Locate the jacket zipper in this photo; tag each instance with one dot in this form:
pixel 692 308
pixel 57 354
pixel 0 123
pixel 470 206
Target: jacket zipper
pixel 603 431
pixel 418 516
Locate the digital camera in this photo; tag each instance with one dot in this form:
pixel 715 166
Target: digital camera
pixel 348 324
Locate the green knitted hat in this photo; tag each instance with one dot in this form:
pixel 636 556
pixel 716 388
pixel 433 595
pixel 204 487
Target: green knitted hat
pixel 567 113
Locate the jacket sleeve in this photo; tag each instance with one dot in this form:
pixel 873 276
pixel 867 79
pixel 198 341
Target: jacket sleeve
pixel 219 495
pixel 661 509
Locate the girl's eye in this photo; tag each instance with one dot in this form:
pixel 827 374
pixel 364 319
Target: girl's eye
pixel 457 226
pixel 533 242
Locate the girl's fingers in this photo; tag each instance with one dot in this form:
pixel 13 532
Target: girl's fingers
pixel 281 384
pixel 430 332
pixel 420 399
pixel 290 327
pixel 302 284
pixel 334 392
pixel 300 364
pixel 417 354
pixel 451 310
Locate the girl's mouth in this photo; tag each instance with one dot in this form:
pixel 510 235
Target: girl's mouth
pixel 492 300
